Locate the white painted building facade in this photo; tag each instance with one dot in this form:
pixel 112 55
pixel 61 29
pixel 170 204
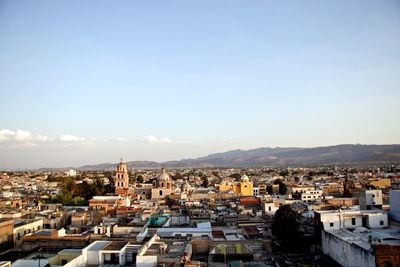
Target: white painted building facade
pixel 352 219
pixel 311 195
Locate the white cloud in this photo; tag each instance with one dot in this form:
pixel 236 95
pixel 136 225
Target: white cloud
pixel 155 140
pixel 165 140
pixel 151 139
pixel 99 139
pixel 121 139
pixel 6 135
pixel 71 138
pixel 43 138
pixel 23 136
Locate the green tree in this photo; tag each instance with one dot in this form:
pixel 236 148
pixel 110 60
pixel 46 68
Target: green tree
pixel 177 176
pixel 205 182
pixel 282 186
pixel 169 201
pixel 286 227
pixel 284 173
pixel 235 175
pixel 139 178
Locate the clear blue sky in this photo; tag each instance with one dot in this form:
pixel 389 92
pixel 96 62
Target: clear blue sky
pixel 90 81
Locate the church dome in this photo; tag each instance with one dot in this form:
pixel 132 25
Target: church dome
pixel 164 176
pixel 186 185
pixel 244 178
pixel 122 166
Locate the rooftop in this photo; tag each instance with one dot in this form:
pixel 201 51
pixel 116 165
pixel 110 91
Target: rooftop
pixel 366 237
pixel 98 245
pixel 115 245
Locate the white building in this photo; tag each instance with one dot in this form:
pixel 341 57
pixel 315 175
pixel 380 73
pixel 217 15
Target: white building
pixel 256 191
pixel 270 208
pixel 351 219
pixel 202 229
pixel 362 247
pixel 71 173
pixel 394 200
pixel 103 253
pixel 66 257
pixel 370 199
pixel 311 195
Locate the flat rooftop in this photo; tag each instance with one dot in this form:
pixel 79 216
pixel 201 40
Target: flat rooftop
pixel 115 245
pixel 364 237
pixel 40 255
pixel 96 246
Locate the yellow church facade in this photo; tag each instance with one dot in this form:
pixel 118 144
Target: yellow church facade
pixel 243 187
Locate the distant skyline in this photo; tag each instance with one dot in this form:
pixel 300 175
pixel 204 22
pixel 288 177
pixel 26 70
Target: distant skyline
pixel 86 82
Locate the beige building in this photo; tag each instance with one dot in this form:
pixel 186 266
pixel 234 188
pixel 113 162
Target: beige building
pixel 24 227
pixel 162 186
pixel 121 179
pixel 6 233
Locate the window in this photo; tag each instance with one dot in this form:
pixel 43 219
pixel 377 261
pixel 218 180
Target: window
pixel 381 222
pixel 160 192
pixel 353 221
pixel 331 224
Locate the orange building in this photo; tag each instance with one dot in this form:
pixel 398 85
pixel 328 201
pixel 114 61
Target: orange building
pixel 6 233
pixel 381 183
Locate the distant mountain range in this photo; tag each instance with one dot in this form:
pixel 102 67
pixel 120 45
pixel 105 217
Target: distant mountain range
pixel 278 157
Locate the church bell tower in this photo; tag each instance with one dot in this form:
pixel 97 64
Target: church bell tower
pixel 121 179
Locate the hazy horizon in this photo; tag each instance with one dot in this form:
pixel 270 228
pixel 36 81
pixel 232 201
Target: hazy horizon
pixel 89 82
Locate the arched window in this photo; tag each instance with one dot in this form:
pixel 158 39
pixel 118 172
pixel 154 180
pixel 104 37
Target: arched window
pixel 162 184
pixel 160 192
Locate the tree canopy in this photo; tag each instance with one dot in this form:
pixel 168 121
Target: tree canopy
pixel 79 194
pixel 286 226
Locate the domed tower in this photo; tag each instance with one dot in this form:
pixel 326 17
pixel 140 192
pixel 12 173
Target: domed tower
pixel 244 178
pixel 164 181
pixel 162 186
pixel 186 187
pixel 121 179
pixel 246 186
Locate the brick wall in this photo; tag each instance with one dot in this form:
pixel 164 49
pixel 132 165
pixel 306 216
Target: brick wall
pixel 387 255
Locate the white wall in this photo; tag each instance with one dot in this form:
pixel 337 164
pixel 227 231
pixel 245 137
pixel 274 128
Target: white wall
pixel 270 208
pixel 146 261
pixel 374 220
pixel 343 220
pixel 394 200
pixel 347 254
pixel 77 262
pixel 370 197
pixel 30 263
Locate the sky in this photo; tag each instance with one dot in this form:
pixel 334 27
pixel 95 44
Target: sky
pixel 85 82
